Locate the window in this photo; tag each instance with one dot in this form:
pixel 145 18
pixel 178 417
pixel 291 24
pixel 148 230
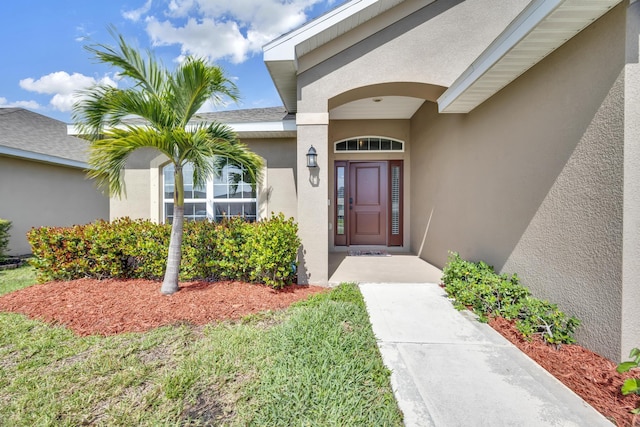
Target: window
pixel 368 144
pixel 224 196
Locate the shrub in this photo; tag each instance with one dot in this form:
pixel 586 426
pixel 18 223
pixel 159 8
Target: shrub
pixel 5 225
pixel 631 385
pixel 475 285
pixel 263 252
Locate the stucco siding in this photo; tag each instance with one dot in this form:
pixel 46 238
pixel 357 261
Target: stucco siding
pixel 277 192
pixel 433 45
pixel 531 181
pixel 36 194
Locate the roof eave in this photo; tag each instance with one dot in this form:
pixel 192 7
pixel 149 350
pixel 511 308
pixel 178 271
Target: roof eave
pixel 43 158
pixel 542 27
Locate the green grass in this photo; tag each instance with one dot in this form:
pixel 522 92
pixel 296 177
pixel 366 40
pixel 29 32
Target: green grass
pixel 314 364
pixel 18 278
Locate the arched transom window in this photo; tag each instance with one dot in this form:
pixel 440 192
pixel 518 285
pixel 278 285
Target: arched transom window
pixel 368 144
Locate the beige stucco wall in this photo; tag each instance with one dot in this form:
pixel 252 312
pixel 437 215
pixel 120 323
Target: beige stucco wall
pixel 277 192
pixel 396 129
pixel 631 225
pixel 532 181
pixel 36 194
pixel 440 51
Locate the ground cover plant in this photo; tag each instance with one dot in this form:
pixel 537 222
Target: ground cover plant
pixel 475 285
pixel 499 300
pixel 315 363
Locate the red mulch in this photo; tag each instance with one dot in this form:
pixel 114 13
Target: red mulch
pixel 108 307
pixel 588 374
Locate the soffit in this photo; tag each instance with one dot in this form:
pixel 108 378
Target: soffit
pixel 280 55
pixel 541 28
pixel 379 108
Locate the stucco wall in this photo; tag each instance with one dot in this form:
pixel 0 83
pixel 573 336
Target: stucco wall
pixel 429 46
pixel 143 179
pixel 531 181
pixel 36 194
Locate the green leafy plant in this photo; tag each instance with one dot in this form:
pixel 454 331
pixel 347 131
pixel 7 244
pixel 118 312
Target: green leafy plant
pixel 262 252
pixel 476 286
pixel 5 225
pixel 631 385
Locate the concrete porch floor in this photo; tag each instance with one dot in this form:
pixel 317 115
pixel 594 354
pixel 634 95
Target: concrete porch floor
pixel 396 268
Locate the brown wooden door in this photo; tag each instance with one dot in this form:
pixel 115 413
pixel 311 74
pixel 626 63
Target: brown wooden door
pixel 368 203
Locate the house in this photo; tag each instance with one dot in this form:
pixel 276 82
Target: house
pixel 42 177
pixel 509 134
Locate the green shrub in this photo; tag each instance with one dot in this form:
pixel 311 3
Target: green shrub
pixel 5 225
pixel 475 285
pixel 263 252
pixel 269 257
pixel 631 385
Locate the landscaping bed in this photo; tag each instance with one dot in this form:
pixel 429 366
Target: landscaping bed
pixel 107 307
pixel 591 376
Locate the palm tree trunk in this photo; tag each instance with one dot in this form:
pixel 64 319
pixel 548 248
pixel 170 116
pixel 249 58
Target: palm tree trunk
pixel 170 282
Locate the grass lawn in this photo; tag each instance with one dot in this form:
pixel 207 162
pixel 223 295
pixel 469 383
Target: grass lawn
pixel 315 364
pixel 12 280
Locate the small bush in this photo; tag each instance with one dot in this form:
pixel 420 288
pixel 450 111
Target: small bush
pixel 631 385
pixel 476 286
pixel 5 225
pixel 263 252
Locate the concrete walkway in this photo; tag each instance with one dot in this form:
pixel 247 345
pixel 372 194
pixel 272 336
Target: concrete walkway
pixel 448 370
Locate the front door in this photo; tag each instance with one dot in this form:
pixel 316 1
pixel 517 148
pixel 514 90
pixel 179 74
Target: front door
pixel 368 198
pixel 368 203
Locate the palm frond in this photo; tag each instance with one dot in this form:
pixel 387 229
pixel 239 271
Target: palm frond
pixel 108 155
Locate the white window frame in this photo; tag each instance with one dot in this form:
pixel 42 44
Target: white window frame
pixel 367 139
pixel 209 201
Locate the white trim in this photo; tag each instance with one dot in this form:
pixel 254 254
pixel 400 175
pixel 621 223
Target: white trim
pixel 367 151
pixel 278 126
pixel 283 48
pixel 46 158
pixel 460 98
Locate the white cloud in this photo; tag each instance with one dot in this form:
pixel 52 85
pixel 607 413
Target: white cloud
pixel 63 86
pixel 31 105
pixel 231 30
pixel 134 15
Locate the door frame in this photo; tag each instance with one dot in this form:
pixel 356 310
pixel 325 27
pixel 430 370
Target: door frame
pixel 392 239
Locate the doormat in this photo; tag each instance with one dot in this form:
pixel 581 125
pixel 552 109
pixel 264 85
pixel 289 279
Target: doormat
pixel 369 253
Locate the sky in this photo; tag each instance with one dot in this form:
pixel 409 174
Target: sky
pixel 43 60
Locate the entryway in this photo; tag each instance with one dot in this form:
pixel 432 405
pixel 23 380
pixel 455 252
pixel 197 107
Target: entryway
pixel 368 203
pixel 393 268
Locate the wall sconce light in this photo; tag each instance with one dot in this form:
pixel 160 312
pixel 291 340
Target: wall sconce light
pixel 312 158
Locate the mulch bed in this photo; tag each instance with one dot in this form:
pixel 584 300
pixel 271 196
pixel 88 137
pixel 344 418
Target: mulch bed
pixel 108 307
pixel 588 374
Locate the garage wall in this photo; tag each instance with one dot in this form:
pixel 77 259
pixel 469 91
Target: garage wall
pixel 36 194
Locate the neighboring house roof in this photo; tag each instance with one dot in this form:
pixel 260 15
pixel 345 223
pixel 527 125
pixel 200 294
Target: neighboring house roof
pixel 542 27
pixel 271 122
pixel 32 136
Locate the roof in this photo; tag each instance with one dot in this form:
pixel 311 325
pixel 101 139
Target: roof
pixel 542 27
pixel 270 122
pixel 280 55
pixel 32 136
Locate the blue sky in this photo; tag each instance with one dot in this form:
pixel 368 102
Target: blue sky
pixel 44 60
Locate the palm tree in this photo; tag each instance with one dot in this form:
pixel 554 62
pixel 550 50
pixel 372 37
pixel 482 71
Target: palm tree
pixel 166 102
